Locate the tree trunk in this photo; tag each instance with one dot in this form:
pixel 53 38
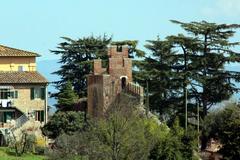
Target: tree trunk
pixel 204 138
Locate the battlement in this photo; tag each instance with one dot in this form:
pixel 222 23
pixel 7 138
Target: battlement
pixel 118 51
pixel 97 67
pixel 106 84
pixel 136 90
pixel 118 65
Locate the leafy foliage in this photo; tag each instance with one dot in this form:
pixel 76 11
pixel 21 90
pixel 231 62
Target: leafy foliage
pixel 208 50
pixel 225 125
pixel 64 122
pixel 67 98
pixel 173 143
pixel 193 62
pixel 124 133
pixel 25 142
pixel 161 69
pixel 76 59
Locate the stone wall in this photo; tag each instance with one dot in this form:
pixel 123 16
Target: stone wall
pixel 24 102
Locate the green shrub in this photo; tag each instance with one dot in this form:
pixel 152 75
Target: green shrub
pixel 173 143
pixel 64 122
pixel 40 150
pixel 224 125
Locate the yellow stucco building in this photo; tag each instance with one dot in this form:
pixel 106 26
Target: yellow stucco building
pixel 23 90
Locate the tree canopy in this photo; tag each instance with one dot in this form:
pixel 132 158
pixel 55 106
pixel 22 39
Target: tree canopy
pixel 67 98
pixel 192 67
pixel 64 123
pixel 76 58
pixel 224 125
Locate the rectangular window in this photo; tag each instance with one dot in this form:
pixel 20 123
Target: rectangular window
pixel 32 93
pixel 43 93
pixel 119 48
pixel 20 68
pixel 16 94
pixel 8 94
pixel 39 115
pixel 8 116
pixel 37 92
pixel 4 93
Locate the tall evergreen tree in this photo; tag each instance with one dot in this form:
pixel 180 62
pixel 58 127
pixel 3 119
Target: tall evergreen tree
pixel 161 69
pixel 76 58
pixel 210 82
pixel 193 64
pixel 67 98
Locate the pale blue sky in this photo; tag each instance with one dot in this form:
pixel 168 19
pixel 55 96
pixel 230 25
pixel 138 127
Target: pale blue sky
pixel 37 25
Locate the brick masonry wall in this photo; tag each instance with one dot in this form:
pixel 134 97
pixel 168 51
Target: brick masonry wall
pixel 95 94
pixel 104 87
pixel 112 52
pixel 120 67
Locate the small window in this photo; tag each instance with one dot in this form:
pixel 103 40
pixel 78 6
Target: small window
pixel 21 68
pixel 16 94
pixel 37 93
pixel 8 116
pixel 119 48
pixel 6 94
pixel 39 116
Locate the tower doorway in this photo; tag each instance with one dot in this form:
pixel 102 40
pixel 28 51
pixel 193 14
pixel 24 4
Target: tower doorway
pixel 123 82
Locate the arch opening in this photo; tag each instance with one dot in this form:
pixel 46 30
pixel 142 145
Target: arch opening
pixel 123 82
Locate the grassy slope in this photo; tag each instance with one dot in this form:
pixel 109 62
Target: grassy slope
pixel 4 155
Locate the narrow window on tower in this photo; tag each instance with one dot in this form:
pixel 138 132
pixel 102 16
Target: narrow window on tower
pixel 119 48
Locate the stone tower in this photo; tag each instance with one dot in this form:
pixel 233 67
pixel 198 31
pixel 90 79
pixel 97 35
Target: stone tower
pixel 105 84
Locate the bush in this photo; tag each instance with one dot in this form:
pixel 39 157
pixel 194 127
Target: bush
pixel 40 150
pixel 173 143
pixel 23 143
pixel 225 125
pixel 124 135
pixel 64 122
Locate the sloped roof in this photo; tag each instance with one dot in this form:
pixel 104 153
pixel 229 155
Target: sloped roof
pixel 13 52
pixel 17 77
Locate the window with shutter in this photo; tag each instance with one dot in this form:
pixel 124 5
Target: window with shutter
pixel 42 116
pixel 38 92
pixel 16 94
pixel 39 115
pixel 43 93
pixel 32 93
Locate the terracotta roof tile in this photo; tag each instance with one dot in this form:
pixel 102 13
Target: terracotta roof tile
pixel 12 52
pixel 17 77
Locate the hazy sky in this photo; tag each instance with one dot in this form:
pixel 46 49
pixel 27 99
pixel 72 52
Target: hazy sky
pixel 38 25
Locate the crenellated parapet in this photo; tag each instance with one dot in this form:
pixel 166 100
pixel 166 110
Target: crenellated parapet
pixel 136 90
pixel 106 84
